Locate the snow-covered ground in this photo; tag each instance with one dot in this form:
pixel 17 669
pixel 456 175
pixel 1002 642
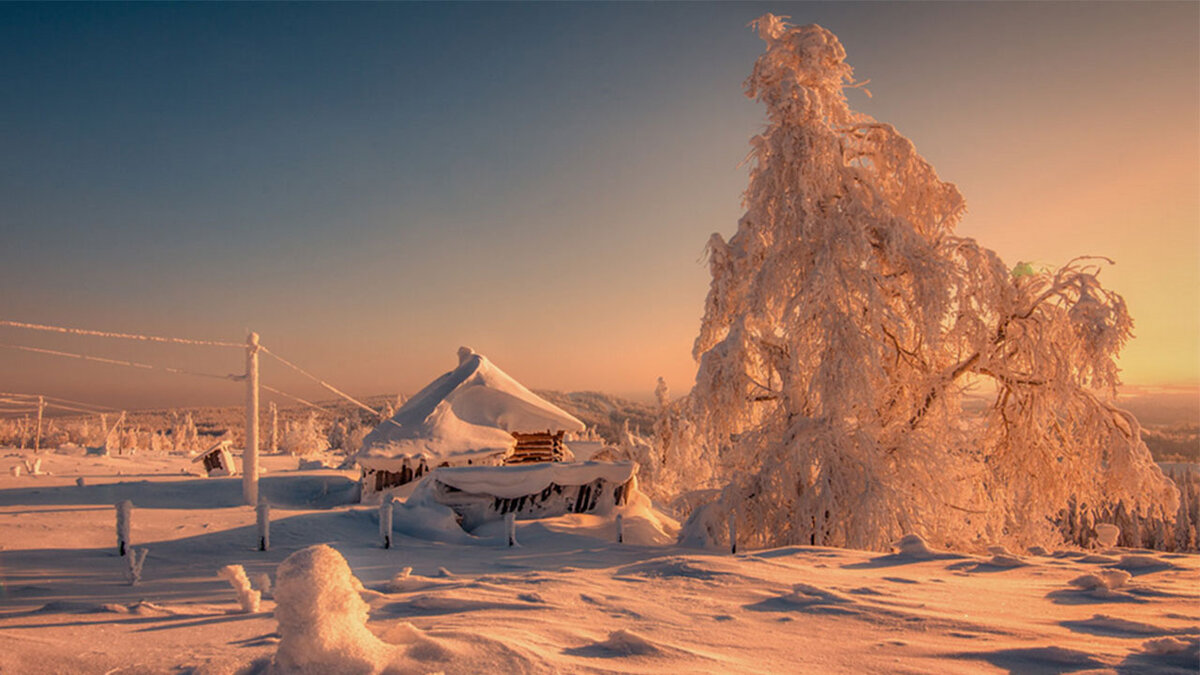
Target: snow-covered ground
pixel 568 599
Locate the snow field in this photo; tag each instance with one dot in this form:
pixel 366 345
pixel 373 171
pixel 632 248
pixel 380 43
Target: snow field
pixel 569 599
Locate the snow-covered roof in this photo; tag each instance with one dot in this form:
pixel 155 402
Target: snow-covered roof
pixel 469 412
pixel 526 479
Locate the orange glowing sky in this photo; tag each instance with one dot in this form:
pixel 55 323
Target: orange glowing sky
pixel 371 186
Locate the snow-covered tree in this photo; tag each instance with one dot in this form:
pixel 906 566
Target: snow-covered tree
pixel 845 322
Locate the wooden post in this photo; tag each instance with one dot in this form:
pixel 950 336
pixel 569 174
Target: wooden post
pixel 250 454
pixel 37 437
pixel 620 529
pixel 124 511
pixel 385 520
pixel 263 511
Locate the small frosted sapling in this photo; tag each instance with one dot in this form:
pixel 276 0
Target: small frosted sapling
pixel 135 560
pixel 247 597
pixel 621 524
pixel 510 526
pixel 124 511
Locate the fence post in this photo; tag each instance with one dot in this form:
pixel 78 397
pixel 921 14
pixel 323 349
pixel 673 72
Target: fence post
pixel 620 529
pixel 385 520
pixel 250 454
pixel 124 510
pixel 510 524
pixel 264 524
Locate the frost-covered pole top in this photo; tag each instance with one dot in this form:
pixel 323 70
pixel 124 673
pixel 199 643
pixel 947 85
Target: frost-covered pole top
pixel 802 73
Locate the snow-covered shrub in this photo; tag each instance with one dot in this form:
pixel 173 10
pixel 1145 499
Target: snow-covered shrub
pixel 346 434
pixel 184 436
pixel 322 619
pixel 844 323
pixel 247 597
pixel 303 437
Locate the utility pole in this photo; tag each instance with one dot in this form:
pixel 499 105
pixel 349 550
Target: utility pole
pixel 250 454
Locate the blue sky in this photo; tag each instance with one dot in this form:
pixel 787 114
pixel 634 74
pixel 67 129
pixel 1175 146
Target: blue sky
pixel 370 185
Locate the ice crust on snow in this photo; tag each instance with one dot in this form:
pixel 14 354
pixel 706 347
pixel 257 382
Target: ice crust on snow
pixel 467 413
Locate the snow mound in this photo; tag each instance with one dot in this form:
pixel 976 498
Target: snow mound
pixel 1166 655
pixel 1141 563
pixel 914 547
pixel 322 619
pixel 805 595
pixel 1104 583
pixel 1186 649
pixel 1001 557
pixel 627 643
pixel 670 567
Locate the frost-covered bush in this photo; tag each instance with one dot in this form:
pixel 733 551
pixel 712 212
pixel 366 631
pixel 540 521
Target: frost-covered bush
pixel 184 436
pixel 303 437
pixel 844 323
pixel 322 619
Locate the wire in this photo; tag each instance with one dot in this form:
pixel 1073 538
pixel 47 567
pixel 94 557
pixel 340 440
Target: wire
pixel 125 336
pixel 321 382
pixel 60 406
pixel 59 398
pixel 117 362
pixel 273 390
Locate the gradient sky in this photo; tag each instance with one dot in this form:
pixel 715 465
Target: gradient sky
pixel 370 186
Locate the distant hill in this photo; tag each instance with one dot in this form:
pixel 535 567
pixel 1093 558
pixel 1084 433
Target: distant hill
pixel 604 412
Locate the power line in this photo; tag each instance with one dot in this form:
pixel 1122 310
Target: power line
pixel 273 390
pixel 118 362
pixel 123 336
pixel 323 383
pixel 59 398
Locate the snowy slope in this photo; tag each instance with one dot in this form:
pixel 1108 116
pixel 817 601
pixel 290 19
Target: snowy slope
pixel 569 599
